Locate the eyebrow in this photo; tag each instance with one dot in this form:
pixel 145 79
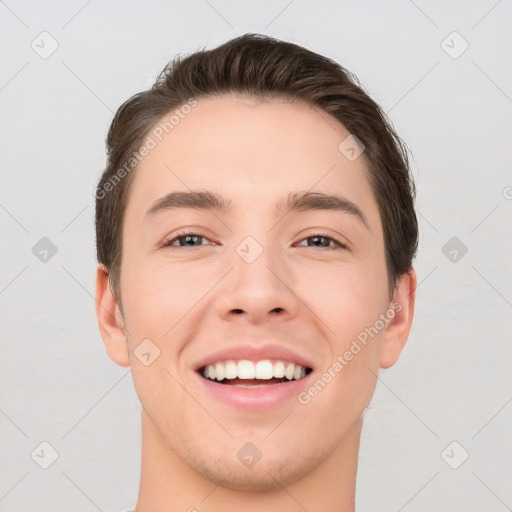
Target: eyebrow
pixel 295 201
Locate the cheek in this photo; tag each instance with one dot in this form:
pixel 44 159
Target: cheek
pixel 345 384
pixel 350 303
pixel 346 298
pixel 338 397
pixel 157 295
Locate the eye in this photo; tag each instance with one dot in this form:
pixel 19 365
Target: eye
pixel 322 240
pixel 188 238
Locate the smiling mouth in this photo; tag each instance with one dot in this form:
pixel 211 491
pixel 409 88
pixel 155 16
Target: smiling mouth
pixel 247 374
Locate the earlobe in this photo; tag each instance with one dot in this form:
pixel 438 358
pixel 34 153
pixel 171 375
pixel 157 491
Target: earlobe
pixel 110 320
pixel 398 328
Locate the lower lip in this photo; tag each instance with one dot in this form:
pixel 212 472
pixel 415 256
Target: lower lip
pixel 255 398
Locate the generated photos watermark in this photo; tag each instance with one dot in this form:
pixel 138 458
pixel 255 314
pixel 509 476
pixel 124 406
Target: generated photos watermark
pixel 342 360
pixel 151 142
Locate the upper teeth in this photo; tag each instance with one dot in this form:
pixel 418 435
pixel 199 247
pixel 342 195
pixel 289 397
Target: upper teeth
pixel 245 369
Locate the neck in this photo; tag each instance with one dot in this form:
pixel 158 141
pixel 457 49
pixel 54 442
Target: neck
pixel 167 484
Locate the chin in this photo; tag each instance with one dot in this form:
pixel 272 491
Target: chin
pixel 266 475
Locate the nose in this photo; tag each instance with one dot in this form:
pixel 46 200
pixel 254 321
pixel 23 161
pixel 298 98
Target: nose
pixel 258 291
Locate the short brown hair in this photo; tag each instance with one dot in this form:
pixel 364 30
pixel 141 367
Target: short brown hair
pixel 262 67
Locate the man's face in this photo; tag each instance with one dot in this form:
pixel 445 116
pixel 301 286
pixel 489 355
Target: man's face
pixel 256 283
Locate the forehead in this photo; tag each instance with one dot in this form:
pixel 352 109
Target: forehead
pixel 251 151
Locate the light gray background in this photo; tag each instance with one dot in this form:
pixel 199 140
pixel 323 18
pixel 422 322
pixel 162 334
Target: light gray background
pixel 452 382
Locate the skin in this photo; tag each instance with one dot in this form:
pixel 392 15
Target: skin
pixel 193 300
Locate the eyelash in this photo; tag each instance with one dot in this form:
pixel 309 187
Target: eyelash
pixel 168 243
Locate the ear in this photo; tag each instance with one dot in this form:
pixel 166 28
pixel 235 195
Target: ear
pixel 397 330
pixel 110 320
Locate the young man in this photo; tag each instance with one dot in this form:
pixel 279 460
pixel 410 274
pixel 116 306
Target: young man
pixel 255 236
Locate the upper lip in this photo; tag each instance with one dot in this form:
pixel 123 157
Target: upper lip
pixel 254 353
